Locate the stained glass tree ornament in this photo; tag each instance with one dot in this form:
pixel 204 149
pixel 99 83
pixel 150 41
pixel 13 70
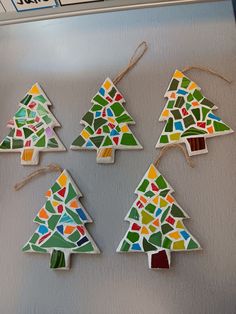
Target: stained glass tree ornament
pixel 32 128
pixel 189 115
pixel 106 123
pixel 156 220
pixel 61 221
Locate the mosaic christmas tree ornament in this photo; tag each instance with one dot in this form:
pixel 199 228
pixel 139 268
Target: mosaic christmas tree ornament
pixel 62 220
pixel 156 222
pixel 189 116
pixel 32 128
pixel 106 125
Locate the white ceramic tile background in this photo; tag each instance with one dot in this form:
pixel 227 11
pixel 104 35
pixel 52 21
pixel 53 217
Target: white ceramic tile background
pixel 70 58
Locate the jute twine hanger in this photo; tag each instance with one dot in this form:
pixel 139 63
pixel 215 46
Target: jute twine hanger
pixel 40 171
pixel 207 70
pixel 171 146
pixel 137 55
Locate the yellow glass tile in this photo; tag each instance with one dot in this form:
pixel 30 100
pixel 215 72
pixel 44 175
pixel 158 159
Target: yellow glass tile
pixel 152 228
pixel 85 134
pixel 174 136
pixel 192 86
pixel 34 90
pixel 180 225
pixel 178 74
pixel 144 230
pixel 27 154
pixel 62 180
pixel 163 202
pixel 111 120
pixel 54 203
pixel 107 84
pixel 165 113
pixel 152 173
pixel 155 200
pixel 174 235
pixel 179 245
pixel 124 129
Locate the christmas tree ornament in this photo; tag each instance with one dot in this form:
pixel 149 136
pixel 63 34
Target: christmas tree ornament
pixel 189 115
pixel 61 221
pixel 106 123
pixel 156 220
pixel 32 128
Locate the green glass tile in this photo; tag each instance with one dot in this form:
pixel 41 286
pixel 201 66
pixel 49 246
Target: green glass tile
pixel 147 246
pixel 185 82
pixel 164 193
pixel 167 243
pixel 219 127
pixel 124 118
pixel 27 247
pixel 173 85
pixel 164 139
pixel 112 92
pixel 52 142
pixel 57 241
pixel 12 132
pixel 125 246
pixel 57 259
pixel 41 110
pixel 179 102
pixel 47 119
pixel 156 239
pixel 205 111
pixel 75 236
pixel 188 121
pixel 49 207
pixel 188 105
pixel 197 95
pixel 118 129
pixel 176 113
pixel 85 248
pixel 196 113
pixel 21 113
pixel 41 142
pixel 128 139
pixel 71 193
pixel 143 186
pixel 20 122
pixel 38 249
pixel 98 123
pixel 209 122
pixel 133 236
pixel 56 187
pixel 117 108
pixel 165 213
pixel 149 194
pixel 89 130
pixel 207 102
pixel 165 228
pixel 150 208
pixel 192 245
pixel 97 140
pixel 39 221
pixel 52 221
pixel 134 214
pixel 106 129
pixel 26 99
pixel 161 183
pixel 176 211
pixel 6 143
pixel 170 104
pixel 169 125
pixel 88 118
pixel 57 198
pixel 28 132
pixel 17 143
pixel 79 141
pixel 34 238
pixel 96 107
pixel 107 141
pixel 101 101
pixel 146 218
pixel 41 99
pixel 192 131
pixel 190 97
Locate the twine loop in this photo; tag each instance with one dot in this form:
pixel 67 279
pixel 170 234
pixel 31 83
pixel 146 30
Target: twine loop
pixel 207 70
pixel 170 146
pixel 40 171
pixel 137 55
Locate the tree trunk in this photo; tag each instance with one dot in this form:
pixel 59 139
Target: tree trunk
pixel 105 155
pixel 59 260
pixel 29 156
pixel 197 145
pixel 159 259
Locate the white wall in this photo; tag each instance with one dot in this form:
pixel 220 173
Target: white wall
pixel 70 59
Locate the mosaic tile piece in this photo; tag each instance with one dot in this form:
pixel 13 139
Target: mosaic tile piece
pixel 189 116
pixel 62 220
pixel 106 125
pixel 32 128
pixel 156 222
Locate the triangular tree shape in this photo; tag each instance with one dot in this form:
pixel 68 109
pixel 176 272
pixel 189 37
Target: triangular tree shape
pixel 106 125
pixel 32 128
pixel 61 222
pixel 156 222
pixel 189 115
